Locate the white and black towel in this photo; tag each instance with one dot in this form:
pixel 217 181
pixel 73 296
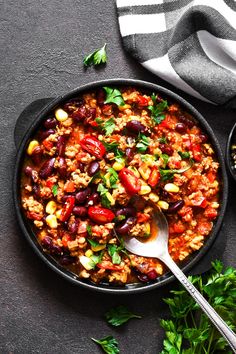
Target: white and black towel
pixel 189 43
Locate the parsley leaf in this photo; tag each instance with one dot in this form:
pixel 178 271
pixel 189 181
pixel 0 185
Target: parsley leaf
pixel 55 190
pixel 165 159
pixel 119 315
pixel 109 344
pixel 113 95
pixel 110 146
pixel 142 143
pixel 113 252
pixel 89 230
pixel 107 126
pixel 157 110
pixel 162 140
pixel 104 195
pixel 99 56
pixel 184 155
pixel 113 177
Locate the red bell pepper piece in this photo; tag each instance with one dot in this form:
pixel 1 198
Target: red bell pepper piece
pixel 128 179
pixel 67 209
pixel 100 215
pixel 142 101
pixel 199 202
pixel 196 149
pixel 141 217
pixel 109 266
pixel 93 146
pixel 210 213
pixel 154 177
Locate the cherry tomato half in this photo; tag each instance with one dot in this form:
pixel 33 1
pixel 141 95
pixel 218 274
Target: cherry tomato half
pixel 131 183
pixel 100 215
pixel 93 146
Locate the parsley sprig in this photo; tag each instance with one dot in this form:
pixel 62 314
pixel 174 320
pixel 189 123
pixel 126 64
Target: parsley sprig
pixel 99 56
pixel 109 344
pixel 113 95
pixel 104 195
pixel 142 143
pixel 158 109
pixel 107 126
pixel 189 330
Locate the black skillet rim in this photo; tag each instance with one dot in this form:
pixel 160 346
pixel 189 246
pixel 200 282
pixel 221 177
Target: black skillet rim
pixel 30 237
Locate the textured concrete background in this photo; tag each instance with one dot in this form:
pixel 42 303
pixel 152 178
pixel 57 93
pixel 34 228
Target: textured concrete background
pixel 42 44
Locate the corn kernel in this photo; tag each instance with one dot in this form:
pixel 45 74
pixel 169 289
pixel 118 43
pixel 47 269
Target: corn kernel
pixel 147 228
pixel 163 205
pixel 134 170
pixel 110 198
pixel 32 145
pixel 153 197
pixel 58 213
pixel 51 221
pixel 88 253
pixel 215 184
pixel 145 189
pixel 118 165
pixel 144 171
pixel 86 262
pixel 61 115
pixel 51 207
pixel 98 247
pixel 126 106
pixel 107 179
pixel 84 274
pixel 171 187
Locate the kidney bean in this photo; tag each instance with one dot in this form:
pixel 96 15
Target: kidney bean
pixel 186 121
pixel 72 104
pixel 46 242
pixel 81 166
pixel 45 133
pixel 136 127
pixel 64 197
pixel 47 168
pixel 203 138
pixel 73 226
pixel 80 114
pixel 37 155
pixel 28 171
pixel 175 206
pixel 129 154
pixel 93 168
pixel 91 113
pixel 80 211
pixel 50 123
pixel 127 211
pixel 82 195
pixel 107 109
pixel 36 190
pixel 152 274
pixel 143 278
pixel 181 128
pixel 61 145
pixel 55 249
pixel 66 260
pixel 93 199
pixel 166 149
pixel 126 226
pixel 100 97
pixel 62 167
pixel 138 203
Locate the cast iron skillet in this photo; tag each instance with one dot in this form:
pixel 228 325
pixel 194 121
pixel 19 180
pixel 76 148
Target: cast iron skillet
pixel 25 225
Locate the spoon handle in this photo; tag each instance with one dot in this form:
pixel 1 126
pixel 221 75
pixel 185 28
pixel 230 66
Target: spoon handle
pixel 219 323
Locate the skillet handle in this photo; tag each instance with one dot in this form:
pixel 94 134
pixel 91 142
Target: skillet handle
pixel 219 323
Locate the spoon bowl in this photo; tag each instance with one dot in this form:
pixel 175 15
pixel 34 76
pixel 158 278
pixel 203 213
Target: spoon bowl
pixel 157 246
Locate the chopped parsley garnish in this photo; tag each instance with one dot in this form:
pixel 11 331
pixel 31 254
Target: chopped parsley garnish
pixel 119 315
pixel 142 143
pixel 55 190
pixel 158 110
pixel 162 140
pixel 89 230
pixel 107 126
pixel 104 193
pixel 93 243
pixel 167 175
pixel 99 56
pixel 113 177
pixel 111 146
pixel 109 344
pixel 165 159
pixel 114 96
pixel 113 252
pixel 184 155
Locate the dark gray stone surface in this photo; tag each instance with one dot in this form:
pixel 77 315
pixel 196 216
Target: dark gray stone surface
pixel 42 46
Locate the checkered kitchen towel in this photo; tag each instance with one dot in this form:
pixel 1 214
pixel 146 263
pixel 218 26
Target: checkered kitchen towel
pixel 189 43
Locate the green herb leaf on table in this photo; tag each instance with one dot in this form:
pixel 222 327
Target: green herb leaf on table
pixel 113 95
pixel 55 190
pixel 99 56
pixel 189 330
pixel 109 344
pixel 158 110
pixel 119 315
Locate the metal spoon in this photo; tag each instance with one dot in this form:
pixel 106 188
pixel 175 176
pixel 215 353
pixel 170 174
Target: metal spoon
pixel 157 247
